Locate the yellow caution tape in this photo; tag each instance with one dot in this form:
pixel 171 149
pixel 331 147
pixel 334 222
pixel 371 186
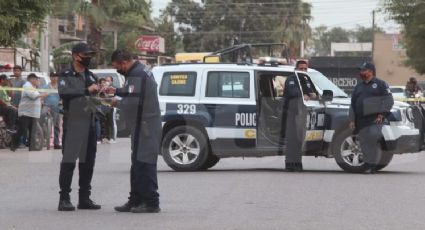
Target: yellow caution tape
pixel 101 100
pixel 421 99
pixel 29 89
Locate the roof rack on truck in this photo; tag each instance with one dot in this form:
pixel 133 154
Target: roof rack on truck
pixel 248 53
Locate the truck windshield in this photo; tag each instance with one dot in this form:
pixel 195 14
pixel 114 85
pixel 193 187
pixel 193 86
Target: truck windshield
pixel 323 83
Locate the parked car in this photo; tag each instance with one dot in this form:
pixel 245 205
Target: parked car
pixel 44 77
pixel 398 92
pixel 213 111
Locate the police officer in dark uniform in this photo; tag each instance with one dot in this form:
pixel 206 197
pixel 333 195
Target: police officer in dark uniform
pixel 76 85
pixel 296 115
pixel 140 108
pixel 371 102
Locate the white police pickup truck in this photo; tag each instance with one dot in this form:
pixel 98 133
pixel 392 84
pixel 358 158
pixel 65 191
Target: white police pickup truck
pixel 212 111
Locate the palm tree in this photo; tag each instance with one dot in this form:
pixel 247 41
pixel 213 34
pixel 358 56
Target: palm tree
pixel 98 13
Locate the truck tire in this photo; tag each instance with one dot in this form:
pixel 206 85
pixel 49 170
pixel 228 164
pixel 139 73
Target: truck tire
pixel 385 160
pixel 37 141
pixel 211 162
pixel 347 153
pixel 185 148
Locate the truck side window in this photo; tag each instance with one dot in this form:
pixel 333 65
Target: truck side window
pixel 178 84
pixel 228 84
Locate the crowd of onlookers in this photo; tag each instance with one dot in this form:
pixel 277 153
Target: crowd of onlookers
pixel 25 103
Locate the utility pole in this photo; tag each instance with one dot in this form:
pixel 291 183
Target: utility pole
pixel 44 47
pixel 373 33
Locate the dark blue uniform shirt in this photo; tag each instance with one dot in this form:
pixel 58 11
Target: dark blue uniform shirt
pixel 368 100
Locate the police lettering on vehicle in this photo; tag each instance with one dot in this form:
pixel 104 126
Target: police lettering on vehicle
pixel 245 119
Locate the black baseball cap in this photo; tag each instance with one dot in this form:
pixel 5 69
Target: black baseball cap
pixel 367 66
pixel 82 48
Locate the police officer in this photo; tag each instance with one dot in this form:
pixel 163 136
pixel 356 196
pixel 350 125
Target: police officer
pixel 371 102
pixel 296 115
pixel 140 107
pixel 76 85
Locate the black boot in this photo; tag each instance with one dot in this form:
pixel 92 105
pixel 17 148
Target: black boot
pixel 145 208
pixel 65 205
pixel 370 169
pixel 293 167
pixel 125 207
pixel 87 203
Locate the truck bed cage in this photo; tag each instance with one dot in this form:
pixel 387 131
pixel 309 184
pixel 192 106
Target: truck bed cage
pixel 243 53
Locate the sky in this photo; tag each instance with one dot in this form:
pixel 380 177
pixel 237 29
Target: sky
pixel 332 13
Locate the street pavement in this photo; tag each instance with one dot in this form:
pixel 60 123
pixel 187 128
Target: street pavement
pixel 236 194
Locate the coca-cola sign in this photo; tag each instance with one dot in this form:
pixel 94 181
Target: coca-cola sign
pixel 150 44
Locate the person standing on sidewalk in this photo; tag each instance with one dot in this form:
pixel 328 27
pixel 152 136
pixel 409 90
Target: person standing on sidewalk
pixel 76 86
pixel 52 103
pixel 29 111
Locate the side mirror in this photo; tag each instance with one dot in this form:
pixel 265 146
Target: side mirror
pixel 328 95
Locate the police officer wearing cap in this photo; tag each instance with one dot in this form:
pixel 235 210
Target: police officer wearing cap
pixel 140 107
pixel 76 85
pixel 297 88
pixel 371 102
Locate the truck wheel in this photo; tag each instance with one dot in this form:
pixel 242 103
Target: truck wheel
pixel 385 160
pixel 347 152
pixel 37 141
pixel 211 162
pixel 3 138
pixel 185 148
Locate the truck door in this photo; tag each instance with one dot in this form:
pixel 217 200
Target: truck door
pixel 228 97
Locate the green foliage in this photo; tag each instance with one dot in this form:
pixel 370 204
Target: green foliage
pixel 323 37
pixel 18 16
pixel 164 27
pixel 215 24
pixel 130 15
pixel 411 14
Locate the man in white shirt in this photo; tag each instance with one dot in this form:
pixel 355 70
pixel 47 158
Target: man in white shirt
pixel 29 110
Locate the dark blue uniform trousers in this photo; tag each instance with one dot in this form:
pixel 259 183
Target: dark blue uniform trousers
pixel 369 138
pixel 143 182
pixel 85 166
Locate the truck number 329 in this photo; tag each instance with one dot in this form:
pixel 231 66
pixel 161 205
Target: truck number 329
pixel 186 109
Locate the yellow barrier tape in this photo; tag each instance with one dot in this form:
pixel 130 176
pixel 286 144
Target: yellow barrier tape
pixel 29 89
pixel 101 100
pixel 421 99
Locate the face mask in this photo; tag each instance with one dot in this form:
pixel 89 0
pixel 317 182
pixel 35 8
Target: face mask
pixel 85 61
pixel 121 71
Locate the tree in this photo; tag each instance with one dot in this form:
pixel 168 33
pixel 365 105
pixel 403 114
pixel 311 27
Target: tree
pixel 17 17
pixel 164 27
pixel 323 38
pixel 411 14
pixel 216 24
pixel 131 15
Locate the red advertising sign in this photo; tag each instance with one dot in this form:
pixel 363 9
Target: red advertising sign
pixel 150 44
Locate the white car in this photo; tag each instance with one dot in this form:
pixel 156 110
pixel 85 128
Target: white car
pixel 399 91
pixel 44 77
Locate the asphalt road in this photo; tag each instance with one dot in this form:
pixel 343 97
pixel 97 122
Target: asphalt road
pixel 236 194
